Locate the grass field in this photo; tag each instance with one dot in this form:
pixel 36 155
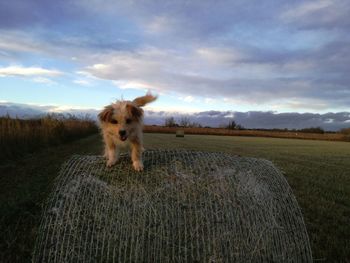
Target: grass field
pixel 318 172
pixel 343 135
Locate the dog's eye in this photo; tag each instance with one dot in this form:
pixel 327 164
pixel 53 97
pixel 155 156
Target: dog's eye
pixel 114 121
pixel 128 121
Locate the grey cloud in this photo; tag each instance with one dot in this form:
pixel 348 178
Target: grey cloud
pixel 65 23
pixel 155 71
pixel 319 14
pixel 204 19
pixel 263 120
pixel 14 45
pixel 25 14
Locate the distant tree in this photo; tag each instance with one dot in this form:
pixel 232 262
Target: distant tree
pixel 312 130
pixel 195 125
pixel 170 122
pixel 185 122
pixel 239 127
pixel 345 131
pixel 232 125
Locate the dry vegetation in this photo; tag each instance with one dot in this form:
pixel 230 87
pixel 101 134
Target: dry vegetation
pixel 346 134
pixel 185 207
pixel 18 136
pixel 252 133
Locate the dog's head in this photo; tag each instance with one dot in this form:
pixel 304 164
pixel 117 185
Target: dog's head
pixel 121 118
pixel 124 118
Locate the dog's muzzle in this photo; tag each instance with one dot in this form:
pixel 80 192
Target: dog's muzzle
pixel 122 135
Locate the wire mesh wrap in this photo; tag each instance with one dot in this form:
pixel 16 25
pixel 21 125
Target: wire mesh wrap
pixel 185 207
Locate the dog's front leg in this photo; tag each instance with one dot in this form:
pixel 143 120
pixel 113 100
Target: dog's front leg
pixel 136 156
pixel 111 153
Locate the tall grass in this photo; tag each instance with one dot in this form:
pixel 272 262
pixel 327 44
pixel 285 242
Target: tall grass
pixel 346 134
pixel 18 136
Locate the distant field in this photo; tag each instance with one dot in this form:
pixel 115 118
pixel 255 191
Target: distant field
pixel 327 136
pixel 318 172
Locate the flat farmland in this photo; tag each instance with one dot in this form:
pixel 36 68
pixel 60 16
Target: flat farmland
pixel 317 171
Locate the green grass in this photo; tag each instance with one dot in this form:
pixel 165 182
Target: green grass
pixel 25 184
pixel 318 172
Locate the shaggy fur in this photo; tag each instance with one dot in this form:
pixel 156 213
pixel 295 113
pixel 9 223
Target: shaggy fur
pixel 121 126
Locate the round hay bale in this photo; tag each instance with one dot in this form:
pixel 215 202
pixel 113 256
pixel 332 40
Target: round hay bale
pixel 185 207
pixel 180 133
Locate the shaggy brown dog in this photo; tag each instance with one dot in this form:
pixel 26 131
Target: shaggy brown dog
pixel 121 125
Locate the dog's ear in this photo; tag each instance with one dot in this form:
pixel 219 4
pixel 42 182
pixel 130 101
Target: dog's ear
pixel 135 111
pixel 106 114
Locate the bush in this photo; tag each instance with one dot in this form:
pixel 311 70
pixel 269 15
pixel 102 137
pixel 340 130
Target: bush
pixel 170 122
pixel 346 133
pixel 234 126
pixel 313 130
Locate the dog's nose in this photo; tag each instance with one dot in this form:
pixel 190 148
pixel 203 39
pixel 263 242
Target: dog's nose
pixel 122 132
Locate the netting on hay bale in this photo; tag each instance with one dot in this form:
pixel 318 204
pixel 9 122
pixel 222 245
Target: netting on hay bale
pixel 185 207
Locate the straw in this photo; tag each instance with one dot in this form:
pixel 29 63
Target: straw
pixel 185 207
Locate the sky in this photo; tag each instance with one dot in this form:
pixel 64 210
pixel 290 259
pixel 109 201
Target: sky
pixel 198 56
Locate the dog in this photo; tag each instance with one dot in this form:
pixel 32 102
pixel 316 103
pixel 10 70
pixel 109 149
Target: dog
pixel 121 126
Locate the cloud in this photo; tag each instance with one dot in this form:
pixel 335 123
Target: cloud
pixel 15 45
pixel 259 119
pixel 159 25
pixel 21 71
pixel 17 13
pixel 82 82
pixel 188 99
pixel 306 9
pixel 44 80
pixel 210 101
pixel 221 56
pixel 138 85
pixel 318 14
pixel 248 77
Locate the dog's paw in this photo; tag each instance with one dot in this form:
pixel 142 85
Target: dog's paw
pixel 138 166
pixel 110 163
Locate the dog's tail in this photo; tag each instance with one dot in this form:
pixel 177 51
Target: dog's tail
pixel 142 101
